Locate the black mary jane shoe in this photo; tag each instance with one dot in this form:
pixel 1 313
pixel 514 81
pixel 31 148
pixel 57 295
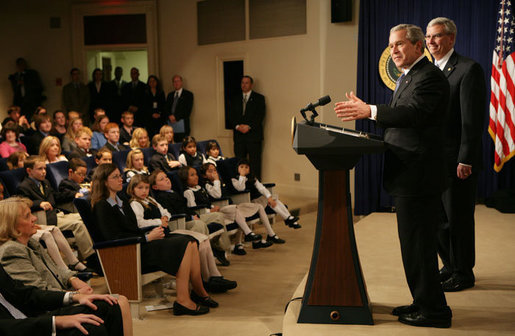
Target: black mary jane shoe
pixel 179 309
pixel 276 240
pixel 204 301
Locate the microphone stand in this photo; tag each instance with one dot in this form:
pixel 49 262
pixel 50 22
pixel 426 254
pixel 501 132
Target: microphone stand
pixel 314 114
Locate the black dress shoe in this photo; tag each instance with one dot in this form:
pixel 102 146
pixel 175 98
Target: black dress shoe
pixel 179 309
pixel 418 319
pixel 276 240
pixel 84 276
pixel 444 274
pixel 456 284
pixel 203 300
pixel 220 256
pixel 252 237
pixel 397 311
pixel 261 244
pixel 219 285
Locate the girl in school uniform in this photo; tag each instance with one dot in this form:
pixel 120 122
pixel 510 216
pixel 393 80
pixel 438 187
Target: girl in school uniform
pixel 135 165
pixel 259 194
pixel 189 155
pixel 213 153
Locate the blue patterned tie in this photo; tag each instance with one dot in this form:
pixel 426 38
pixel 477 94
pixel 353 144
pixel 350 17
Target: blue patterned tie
pixel 398 83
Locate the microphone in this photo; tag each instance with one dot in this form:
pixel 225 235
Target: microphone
pixel 321 102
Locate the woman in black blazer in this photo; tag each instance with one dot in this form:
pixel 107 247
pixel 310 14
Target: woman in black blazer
pixel 174 254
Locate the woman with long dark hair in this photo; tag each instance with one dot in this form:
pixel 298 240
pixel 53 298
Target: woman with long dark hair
pixel 174 254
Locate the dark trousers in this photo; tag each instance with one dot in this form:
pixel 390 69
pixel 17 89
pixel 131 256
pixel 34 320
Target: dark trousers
pixel 418 219
pixel 250 150
pixel 111 316
pixel 456 245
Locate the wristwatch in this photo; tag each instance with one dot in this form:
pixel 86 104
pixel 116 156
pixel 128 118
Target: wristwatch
pixel 70 297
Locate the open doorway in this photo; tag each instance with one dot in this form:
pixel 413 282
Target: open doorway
pixel 108 60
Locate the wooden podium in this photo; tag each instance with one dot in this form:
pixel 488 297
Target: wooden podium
pixel 335 290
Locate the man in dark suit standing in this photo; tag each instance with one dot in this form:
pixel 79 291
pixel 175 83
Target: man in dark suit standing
pixel 246 114
pixel 133 96
pixel 26 310
pixel 463 129
pixel 179 103
pixel 117 100
pixel 27 88
pixel 414 169
pixel 76 95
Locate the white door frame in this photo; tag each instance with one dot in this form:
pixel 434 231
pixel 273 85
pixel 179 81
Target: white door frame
pixel 79 50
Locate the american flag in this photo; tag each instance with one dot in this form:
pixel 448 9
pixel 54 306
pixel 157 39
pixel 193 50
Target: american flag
pixel 502 100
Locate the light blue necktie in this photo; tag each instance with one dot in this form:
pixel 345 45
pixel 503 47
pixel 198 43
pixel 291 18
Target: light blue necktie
pixel 15 312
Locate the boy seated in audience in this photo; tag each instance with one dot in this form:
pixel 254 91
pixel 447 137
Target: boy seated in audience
pixel 112 134
pixel 44 198
pixel 97 113
pixel 104 155
pixel 83 142
pixel 162 159
pixel 127 128
pixel 43 126
pixel 77 170
pixel 176 204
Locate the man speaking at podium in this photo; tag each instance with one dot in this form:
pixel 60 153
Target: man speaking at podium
pixel 414 169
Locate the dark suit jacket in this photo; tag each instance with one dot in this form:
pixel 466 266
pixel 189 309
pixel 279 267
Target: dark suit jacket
pixel 182 109
pixel 463 125
pixel 100 99
pixel 76 99
pixel 29 189
pixel 32 302
pixel 158 161
pixel 33 91
pixel 112 149
pixel 135 97
pixel 79 153
pixel 413 132
pixel 254 115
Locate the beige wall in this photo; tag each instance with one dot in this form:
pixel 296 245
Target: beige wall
pixel 290 71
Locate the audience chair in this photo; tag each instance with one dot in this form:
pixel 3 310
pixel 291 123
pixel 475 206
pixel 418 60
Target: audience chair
pixel 56 172
pixel 147 154
pixel 121 262
pixel 175 149
pixel 120 159
pixel 3 164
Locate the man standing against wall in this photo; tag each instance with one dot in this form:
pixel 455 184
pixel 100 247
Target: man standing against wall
pixel 414 172
pixel 27 88
pixel 179 103
pixel 246 114
pixel 76 96
pixel 133 96
pixel 463 129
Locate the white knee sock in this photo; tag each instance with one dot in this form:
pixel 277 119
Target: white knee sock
pixel 281 210
pixel 53 250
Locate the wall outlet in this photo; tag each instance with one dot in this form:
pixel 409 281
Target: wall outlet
pixel 296 177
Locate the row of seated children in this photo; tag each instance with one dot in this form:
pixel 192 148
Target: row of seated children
pixel 152 216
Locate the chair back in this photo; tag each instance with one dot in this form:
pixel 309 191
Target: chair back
pixel 147 154
pixel 11 179
pixel 175 149
pixel 120 159
pixel 3 164
pixel 56 172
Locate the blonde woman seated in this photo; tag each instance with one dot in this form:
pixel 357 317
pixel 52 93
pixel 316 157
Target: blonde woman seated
pixel 50 150
pixel 135 165
pixel 69 138
pixel 139 139
pixel 24 258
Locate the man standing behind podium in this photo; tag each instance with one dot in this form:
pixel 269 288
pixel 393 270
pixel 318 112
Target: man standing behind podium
pixel 463 129
pixel 414 172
